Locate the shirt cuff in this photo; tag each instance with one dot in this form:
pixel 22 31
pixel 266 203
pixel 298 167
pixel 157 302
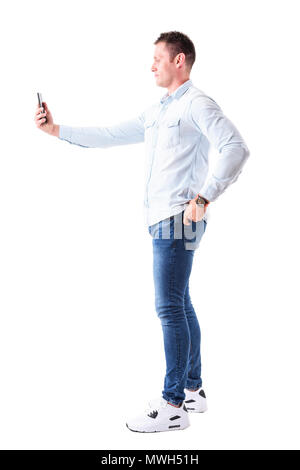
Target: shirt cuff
pixel 65 132
pixel 208 193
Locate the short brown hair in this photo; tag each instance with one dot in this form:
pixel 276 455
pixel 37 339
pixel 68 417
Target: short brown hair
pixel 177 42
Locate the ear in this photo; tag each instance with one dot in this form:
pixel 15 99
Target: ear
pixel 181 58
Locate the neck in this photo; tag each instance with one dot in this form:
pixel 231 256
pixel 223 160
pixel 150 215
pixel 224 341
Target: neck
pixel 176 84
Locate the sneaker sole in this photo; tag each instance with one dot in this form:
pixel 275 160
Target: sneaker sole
pixel 196 411
pixel 162 430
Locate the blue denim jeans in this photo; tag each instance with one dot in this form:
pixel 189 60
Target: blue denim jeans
pixel 174 245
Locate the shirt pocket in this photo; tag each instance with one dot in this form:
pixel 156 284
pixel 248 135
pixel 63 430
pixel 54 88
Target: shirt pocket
pixel 170 133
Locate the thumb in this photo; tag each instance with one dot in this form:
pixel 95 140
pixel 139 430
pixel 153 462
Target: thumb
pixel 186 220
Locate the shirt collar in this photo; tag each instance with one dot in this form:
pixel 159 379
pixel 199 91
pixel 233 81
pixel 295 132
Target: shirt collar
pixel 178 92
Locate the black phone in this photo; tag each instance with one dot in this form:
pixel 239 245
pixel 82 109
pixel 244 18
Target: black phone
pixel 40 100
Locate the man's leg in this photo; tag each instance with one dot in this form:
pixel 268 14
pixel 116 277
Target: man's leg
pixel 172 265
pixel 194 380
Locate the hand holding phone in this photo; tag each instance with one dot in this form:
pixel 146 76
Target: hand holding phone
pixel 40 101
pixel 43 118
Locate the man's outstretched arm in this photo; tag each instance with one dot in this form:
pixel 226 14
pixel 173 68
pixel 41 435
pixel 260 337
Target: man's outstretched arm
pixel 126 132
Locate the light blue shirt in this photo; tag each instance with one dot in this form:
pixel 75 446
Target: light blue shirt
pixel 177 132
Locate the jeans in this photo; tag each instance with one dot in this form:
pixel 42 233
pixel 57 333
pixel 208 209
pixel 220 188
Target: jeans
pixel 174 245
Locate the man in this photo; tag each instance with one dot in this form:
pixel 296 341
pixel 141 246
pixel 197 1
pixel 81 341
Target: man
pixel 177 132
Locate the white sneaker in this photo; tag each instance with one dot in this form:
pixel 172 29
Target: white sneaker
pixel 195 402
pixel 161 417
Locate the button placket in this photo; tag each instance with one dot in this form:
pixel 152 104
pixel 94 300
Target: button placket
pixel 155 126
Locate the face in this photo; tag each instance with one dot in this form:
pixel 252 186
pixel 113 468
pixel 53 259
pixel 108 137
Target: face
pixel 165 72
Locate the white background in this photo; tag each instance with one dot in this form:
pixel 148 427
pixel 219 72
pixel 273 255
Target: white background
pixel 81 345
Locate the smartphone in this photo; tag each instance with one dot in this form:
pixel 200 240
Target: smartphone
pixel 40 100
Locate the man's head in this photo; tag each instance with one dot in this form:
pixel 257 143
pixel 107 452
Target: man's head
pixel 174 56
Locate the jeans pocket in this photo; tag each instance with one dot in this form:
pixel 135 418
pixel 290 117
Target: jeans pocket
pixel 193 234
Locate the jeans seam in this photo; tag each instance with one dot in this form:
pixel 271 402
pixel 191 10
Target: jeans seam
pixel 177 336
pixel 171 293
pixel 191 358
pixel 191 349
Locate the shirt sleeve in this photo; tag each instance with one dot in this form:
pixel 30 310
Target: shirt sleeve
pixel 126 132
pixel 208 117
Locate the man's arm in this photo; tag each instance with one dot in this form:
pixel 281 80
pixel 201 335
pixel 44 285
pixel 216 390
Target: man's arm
pixel 126 132
pixel 207 115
